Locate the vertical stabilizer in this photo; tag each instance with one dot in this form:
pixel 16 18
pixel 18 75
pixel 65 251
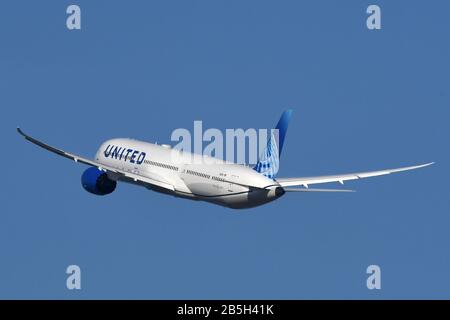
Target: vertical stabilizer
pixel 269 161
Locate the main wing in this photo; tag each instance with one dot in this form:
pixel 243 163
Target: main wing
pixel 148 180
pixel 306 181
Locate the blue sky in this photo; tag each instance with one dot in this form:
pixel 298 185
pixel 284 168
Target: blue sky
pixel 362 100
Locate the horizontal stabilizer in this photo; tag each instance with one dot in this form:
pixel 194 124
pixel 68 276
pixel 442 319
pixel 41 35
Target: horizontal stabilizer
pixel 316 190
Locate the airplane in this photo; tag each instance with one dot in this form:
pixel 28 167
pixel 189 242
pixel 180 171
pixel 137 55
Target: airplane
pixel 163 169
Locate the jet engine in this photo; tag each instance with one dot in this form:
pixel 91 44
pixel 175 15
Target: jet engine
pixel 97 182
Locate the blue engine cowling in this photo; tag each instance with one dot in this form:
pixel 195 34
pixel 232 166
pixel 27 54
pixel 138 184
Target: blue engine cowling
pixel 97 182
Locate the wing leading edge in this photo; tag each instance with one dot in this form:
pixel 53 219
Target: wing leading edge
pixel 306 181
pixel 149 179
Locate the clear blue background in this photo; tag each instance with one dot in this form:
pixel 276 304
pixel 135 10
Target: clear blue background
pixel 362 100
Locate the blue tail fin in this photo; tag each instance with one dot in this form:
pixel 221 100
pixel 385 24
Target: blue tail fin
pixel 269 161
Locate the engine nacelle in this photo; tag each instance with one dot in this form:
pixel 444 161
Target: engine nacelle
pixel 97 182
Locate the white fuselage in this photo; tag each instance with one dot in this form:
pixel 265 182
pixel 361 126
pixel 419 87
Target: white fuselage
pixel 193 176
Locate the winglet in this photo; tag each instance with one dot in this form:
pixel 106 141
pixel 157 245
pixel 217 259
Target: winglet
pixel 21 132
pixel 428 164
